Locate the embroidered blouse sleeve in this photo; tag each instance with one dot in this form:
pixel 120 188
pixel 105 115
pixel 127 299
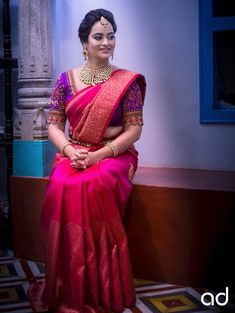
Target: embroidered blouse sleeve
pixel 133 106
pixel 56 114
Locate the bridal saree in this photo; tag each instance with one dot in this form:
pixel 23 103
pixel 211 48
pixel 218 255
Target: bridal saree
pixel 87 265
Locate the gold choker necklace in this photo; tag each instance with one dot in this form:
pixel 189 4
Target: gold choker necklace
pixel 93 77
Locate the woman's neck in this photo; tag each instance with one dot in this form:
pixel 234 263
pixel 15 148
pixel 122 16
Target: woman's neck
pixel 96 65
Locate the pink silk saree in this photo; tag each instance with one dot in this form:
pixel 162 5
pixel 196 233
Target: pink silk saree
pixel 87 265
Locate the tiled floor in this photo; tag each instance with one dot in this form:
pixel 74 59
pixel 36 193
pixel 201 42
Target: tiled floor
pixel 16 275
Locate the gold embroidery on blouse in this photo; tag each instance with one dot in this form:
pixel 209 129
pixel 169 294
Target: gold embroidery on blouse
pixel 71 81
pixel 73 77
pixel 56 118
pixel 75 73
pixel 133 118
pixel 130 97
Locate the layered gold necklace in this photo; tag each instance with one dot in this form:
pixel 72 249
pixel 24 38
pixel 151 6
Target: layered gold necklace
pixel 95 76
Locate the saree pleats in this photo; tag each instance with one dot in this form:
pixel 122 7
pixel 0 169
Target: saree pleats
pixel 86 254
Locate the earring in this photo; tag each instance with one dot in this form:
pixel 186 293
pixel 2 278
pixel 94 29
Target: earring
pixel 112 57
pixel 85 53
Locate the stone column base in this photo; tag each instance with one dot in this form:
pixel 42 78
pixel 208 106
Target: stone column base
pixel 32 158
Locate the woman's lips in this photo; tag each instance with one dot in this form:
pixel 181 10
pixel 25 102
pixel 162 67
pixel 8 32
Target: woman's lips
pixel 105 50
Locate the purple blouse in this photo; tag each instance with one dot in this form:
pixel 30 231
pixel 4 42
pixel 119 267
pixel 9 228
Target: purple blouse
pixel 128 112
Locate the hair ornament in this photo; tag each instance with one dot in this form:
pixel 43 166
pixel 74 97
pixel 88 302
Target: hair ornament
pixel 104 21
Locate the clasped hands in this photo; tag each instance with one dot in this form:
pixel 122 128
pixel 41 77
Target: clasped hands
pixel 82 158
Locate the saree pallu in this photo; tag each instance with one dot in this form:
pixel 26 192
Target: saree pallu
pixel 87 265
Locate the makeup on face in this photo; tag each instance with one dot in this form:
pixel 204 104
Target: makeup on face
pixel 101 42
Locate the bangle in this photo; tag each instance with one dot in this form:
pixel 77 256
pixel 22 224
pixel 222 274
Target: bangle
pixel 63 146
pixel 112 147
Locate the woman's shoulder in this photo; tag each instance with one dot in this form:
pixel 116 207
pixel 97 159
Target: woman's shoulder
pixel 62 81
pixel 131 73
pixel 138 82
pixel 65 77
pixel 61 78
pixel 65 73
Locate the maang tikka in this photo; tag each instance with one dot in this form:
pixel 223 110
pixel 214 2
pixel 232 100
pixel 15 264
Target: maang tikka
pixel 104 21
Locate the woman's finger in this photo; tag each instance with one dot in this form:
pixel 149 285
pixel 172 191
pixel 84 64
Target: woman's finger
pixel 74 159
pixel 82 156
pixel 81 152
pixel 78 164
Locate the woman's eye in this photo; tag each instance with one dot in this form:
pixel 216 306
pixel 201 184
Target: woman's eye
pixel 97 37
pixel 111 37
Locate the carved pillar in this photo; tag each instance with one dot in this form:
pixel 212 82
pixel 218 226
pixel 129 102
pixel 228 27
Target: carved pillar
pixel 32 152
pixel 35 69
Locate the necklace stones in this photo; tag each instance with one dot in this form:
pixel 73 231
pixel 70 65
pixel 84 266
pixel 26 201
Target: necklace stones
pixel 93 77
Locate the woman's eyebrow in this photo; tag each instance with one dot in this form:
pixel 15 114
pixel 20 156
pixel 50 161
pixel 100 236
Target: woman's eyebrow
pixel 111 33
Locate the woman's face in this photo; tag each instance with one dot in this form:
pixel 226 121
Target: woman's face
pixel 101 42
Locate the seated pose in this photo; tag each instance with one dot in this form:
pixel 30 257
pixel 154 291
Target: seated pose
pixel 87 265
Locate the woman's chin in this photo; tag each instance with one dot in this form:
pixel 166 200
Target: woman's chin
pixel 105 57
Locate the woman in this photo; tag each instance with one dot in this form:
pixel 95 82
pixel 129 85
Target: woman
pixel 87 265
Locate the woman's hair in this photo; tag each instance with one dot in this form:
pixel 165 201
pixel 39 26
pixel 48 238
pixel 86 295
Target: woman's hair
pixel 90 19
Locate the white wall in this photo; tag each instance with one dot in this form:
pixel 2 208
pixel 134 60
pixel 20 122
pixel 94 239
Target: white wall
pixel 158 38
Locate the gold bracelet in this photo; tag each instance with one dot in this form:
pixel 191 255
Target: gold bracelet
pixel 112 147
pixel 63 146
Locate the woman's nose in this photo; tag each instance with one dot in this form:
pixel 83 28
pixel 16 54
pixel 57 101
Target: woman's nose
pixel 105 41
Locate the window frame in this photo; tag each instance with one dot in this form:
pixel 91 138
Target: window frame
pixel 207 26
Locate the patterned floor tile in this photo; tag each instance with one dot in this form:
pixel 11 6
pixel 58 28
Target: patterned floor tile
pixel 36 268
pixel 152 297
pixel 11 270
pixel 173 299
pixel 13 298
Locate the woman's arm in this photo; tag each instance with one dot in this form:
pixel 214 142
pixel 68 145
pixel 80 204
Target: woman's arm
pixel 130 135
pixel 58 138
pixel 56 135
